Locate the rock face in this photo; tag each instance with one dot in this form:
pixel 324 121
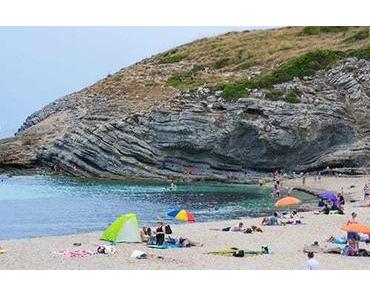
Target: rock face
pixel 199 135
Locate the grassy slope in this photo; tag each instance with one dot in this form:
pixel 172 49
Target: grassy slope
pixel 229 58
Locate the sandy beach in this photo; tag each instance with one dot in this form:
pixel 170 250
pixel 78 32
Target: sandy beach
pixel 285 242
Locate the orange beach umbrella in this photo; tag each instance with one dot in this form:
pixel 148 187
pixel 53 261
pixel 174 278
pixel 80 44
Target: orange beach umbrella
pixel 287 201
pixel 358 228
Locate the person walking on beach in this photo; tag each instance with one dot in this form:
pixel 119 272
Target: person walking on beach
pixel 366 192
pixel 311 263
pixel 303 178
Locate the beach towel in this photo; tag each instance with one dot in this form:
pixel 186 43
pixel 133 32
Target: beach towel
pixel 164 246
pixel 77 253
pixel 235 252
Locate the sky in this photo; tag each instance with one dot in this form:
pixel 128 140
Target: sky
pixel 40 64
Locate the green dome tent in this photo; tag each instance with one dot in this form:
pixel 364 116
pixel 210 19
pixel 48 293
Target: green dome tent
pixel 124 229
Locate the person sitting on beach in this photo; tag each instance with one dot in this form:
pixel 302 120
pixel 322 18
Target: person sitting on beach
pixel 145 234
pixel 271 221
pixel 341 199
pixel 353 219
pixel 321 203
pixel 296 217
pixel 325 210
pixel 337 209
pixel 352 248
pixel 160 233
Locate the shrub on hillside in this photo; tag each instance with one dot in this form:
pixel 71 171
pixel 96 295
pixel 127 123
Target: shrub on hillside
pixel 359 35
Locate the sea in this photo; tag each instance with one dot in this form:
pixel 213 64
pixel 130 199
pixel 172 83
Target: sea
pixel 36 205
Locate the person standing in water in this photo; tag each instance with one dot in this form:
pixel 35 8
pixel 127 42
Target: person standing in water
pixel 303 178
pixel 172 186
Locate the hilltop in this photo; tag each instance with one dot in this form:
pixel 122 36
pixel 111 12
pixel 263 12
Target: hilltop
pixel 220 108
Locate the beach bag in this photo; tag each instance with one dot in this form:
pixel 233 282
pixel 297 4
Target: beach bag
pixel 168 229
pixel 239 254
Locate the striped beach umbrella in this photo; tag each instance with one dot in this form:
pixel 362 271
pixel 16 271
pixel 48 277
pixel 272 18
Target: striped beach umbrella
pixel 181 215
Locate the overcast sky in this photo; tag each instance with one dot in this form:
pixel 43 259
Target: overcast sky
pixel 41 64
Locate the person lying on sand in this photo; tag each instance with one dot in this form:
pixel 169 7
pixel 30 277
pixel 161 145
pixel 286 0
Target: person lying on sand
pixel 316 248
pixel 343 239
pixel 291 215
pixel 185 242
pixel 337 240
pixel 292 222
pixel 239 228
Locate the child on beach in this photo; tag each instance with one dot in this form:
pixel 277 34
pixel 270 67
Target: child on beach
pixel 311 263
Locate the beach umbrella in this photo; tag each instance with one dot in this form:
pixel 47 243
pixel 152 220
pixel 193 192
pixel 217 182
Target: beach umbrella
pixel 181 215
pixel 287 201
pixel 357 228
pixel 329 196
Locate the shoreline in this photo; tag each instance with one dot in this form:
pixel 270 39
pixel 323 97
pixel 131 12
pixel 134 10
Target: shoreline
pixel 285 242
pixel 265 176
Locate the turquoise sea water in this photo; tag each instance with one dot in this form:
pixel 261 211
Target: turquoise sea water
pixel 32 206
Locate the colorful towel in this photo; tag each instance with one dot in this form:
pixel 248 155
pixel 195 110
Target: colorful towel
pixel 77 253
pixel 234 251
pixel 164 246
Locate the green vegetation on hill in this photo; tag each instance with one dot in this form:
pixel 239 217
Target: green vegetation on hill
pixel 304 65
pixel 316 30
pixel 171 57
pixel 361 34
pixel 267 57
pixel 184 79
pixel 362 53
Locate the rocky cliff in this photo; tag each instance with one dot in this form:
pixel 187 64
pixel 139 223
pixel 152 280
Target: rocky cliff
pixel 172 115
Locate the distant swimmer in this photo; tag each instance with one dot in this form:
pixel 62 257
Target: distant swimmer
pixel 173 186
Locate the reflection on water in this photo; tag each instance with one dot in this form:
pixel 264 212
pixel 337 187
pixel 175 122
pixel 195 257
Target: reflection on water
pixel 39 205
